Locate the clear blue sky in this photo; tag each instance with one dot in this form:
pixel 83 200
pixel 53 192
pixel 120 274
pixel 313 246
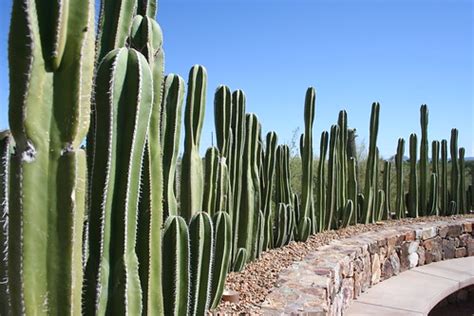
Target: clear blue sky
pixel 400 53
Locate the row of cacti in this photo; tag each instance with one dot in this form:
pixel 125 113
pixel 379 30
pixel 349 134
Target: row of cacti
pixel 113 229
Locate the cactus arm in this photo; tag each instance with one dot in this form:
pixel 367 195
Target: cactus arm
pixel 444 178
pixel 462 182
pixel 147 8
pixel 352 188
pixel 211 173
pixel 268 175
pixel 400 203
pixel 321 193
pixel 386 188
pixel 332 178
pixel 222 118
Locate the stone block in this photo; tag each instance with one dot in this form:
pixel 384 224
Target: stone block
pixel 467 227
pixel 448 248
pixel 460 252
pixel 428 232
pixel 454 230
pixel 421 255
pixel 375 269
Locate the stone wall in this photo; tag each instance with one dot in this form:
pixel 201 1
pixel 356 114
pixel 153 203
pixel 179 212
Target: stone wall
pixel 328 279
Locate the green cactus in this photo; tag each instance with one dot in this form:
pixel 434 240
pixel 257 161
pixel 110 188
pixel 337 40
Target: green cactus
pixel 268 178
pixel 444 197
pixel 171 131
pixel 386 188
pixel 371 176
pixel 413 202
pixel 176 267
pixel 240 260
pixel 348 213
pixel 250 196
pixel 260 234
pixel 223 244
pixel 331 219
pixel 462 182
pixel 321 192
pixel 436 170
pixel 342 160
pixel 192 178
pixel 308 213
pixel 4 192
pixel 379 206
pixel 51 47
pixel 433 208
pixel 283 192
pixel 222 119
pixel 236 145
pixel 352 188
pixel 423 178
pixel 201 240
pixel 455 196
pixel 283 225
pixel 147 37
pixel 112 281
pixel 211 175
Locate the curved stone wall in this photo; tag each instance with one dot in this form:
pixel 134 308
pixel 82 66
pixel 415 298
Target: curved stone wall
pixel 328 279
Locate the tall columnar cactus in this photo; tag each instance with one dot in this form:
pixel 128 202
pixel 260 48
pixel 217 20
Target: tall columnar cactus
pixel 176 267
pixel 321 191
pixel 171 130
pixel 348 213
pixel 436 170
pixel 124 97
pixel 283 225
pixel 250 198
pixel 222 255
pixel 433 207
pixel 307 202
pixel 268 178
pixel 371 176
pixel 331 200
pixel 342 160
pixel 454 169
pixel 352 188
pixel 413 202
pixel 386 188
pixel 146 36
pixel 51 59
pixel 400 197
pixel 211 177
pixel 444 196
pixel 379 205
pixel 4 192
pixel 424 189
pixel 283 192
pixel 192 178
pixel 222 119
pixel 201 240
pixel 236 153
pixel 462 182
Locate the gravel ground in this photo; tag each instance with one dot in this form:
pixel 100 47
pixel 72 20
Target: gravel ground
pixel 260 276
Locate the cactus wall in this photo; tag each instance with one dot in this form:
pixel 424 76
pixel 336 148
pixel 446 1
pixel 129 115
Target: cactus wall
pixel 123 224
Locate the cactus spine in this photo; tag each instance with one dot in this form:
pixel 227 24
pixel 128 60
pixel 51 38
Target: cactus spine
pixel 176 267
pixel 192 179
pixel 171 131
pixel 307 202
pixel 4 192
pixel 424 190
pixel 51 66
pixel 413 203
pixel 371 176
pixel 201 239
